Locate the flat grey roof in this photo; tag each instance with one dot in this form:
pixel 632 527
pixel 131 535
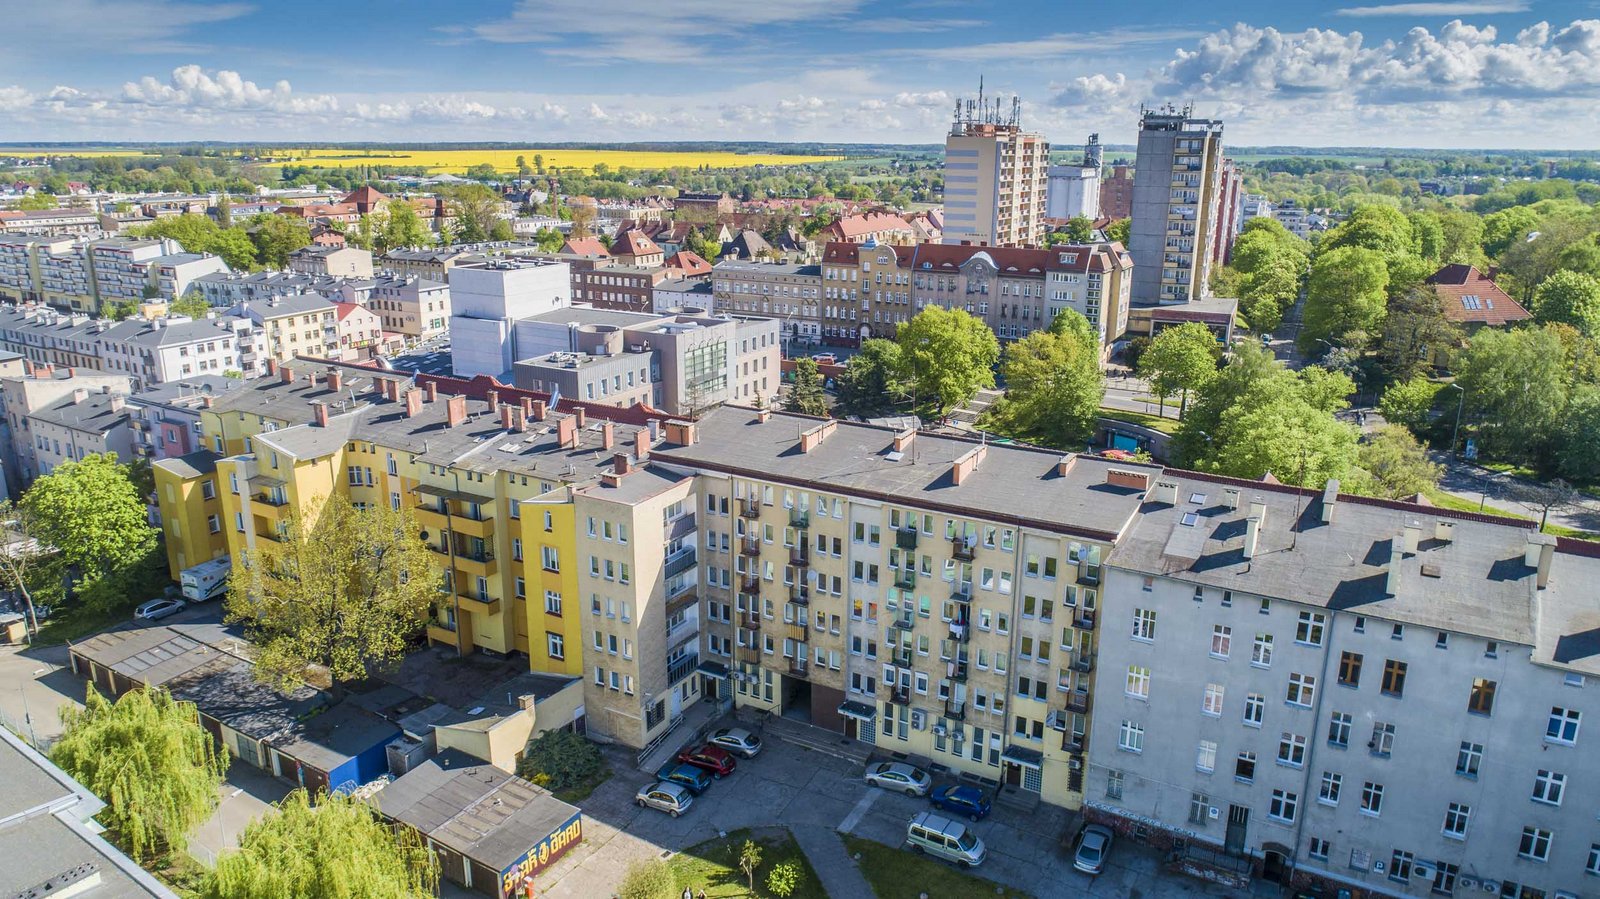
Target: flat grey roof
pixel 157 654
pixel 1568 624
pixel 584 314
pixel 335 735
pixel 1012 484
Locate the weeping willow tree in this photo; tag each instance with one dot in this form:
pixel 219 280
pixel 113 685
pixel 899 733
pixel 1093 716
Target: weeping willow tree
pixel 149 759
pixel 336 849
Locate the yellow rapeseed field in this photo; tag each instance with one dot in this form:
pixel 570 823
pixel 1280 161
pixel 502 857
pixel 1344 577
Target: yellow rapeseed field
pixel 506 160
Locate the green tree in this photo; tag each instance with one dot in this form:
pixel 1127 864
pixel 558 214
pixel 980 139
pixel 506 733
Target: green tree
pixel 477 209
pixel 582 221
pixel 1079 230
pixel 21 554
pixel 403 228
pixel 1179 360
pixel 1267 292
pixel 750 861
pixel 1578 437
pixel 1463 238
pixel 1397 464
pixel 549 239
pixel 1414 333
pixel 560 760
pixel 336 849
pixel 191 304
pixel 869 383
pixel 91 511
pixel 1118 231
pixel 38 202
pixel 805 394
pixel 1053 385
pixel 236 248
pixel 502 230
pixel 947 355
pixel 342 591
pixel 275 237
pixel 785 878
pixel 1508 226
pixel 1570 298
pixel 1410 403
pixel 703 246
pixel 1516 390
pixel 150 760
pixel 192 232
pixel 1382 229
pixel 1345 297
pixel 649 879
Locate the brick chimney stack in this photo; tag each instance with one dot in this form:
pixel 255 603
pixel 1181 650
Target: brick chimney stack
pixel 432 390
pixel 493 397
pixel 413 403
pixel 335 379
pixel 608 435
pixel 320 410
pixel 455 409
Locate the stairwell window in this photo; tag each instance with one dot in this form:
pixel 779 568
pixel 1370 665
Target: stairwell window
pixel 1144 625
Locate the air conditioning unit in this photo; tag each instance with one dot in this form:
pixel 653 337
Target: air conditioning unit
pixel 1490 886
pixel 1423 870
pixel 1075 764
pixel 919 719
pixel 1470 883
pixel 1213 812
pixel 940 730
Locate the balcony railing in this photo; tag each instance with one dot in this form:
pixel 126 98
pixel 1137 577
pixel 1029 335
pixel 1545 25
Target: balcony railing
pixel 900 696
pixel 799 518
pixel 1084 620
pixel 960 631
pixel 1071 742
pixel 958 670
pixel 797 667
pixel 954 710
pixel 750 655
pixel 963 550
pixel 905 578
pixel 906 538
pixel 682 668
pixel 1078 702
pixel 750 619
pixel 800 556
pixel 799 594
pixel 961 592
pixel 1083 663
pixel 749 546
pixel 749 508
pixel 904 622
pixel 749 583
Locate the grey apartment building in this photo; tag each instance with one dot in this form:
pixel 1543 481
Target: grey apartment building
pixel 1347 695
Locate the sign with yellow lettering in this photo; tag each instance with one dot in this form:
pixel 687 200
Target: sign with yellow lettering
pixel 542 855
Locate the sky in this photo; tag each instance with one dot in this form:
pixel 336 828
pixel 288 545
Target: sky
pixel 1468 74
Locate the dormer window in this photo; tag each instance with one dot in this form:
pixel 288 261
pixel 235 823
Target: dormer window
pixel 1069 258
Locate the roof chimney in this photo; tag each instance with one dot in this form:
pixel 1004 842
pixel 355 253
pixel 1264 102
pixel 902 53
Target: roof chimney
pixel 493 398
pixel 1230 497
pixel 1412 532
pixel 1115 477
pixel 904 439
pixel 537 409
pixel 813 437
pixel 682 433
pixel 1165 492
pixel 413 403
pixel 207 401
pixel 621 464
pixel 963 467
pixel 608 435
pixel 1540 551
pixel 320 411
pixel 527 405
pixel 1330 498
pixel 455 409
pixel 1252 536
pixel 272 368
pixel 1391 580
pixel 79 394
pixel 581 416
pixel 763 415
pixel 431 388
pixel 335 379
pixel 285 374
pixel 567 432
pixel 1258 508
pixel 641 444
pixel 1444 531
pixel 507 416
pixel 311 378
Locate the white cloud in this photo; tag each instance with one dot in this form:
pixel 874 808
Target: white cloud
pixel 83 27
pixel 1466 8
pixel 193 87
pixel 1049 47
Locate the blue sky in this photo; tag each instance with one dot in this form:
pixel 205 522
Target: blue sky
pixel 1475 73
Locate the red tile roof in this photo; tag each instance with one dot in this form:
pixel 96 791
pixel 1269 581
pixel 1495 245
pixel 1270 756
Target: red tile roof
pixel 633 243
pixel 585 246
pixel 1468 296
pixel 867 223
pixel 366 195
pixel 690 263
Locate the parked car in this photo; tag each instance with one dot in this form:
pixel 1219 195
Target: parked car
pixel 157 609
pixel 899 776
pixel 1091 847
pixel 1266 340
pixel 963 800
pixel 695 779
pixel 945 838
pixel 737 740
pixel 825 358
pixel 674 799
pixel 713 759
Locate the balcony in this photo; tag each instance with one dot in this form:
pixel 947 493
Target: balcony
pixel 749 508
pixel 900 696
pixel 749 655
pixel 1078 702
pixel 800 555
pixel 955 710
pixel 799 594
pixel 682 668
pixel 1071 742
pixel 901 656
pixel 799 518
pixel 906 538
pixel 749 546
pixel 477 564
pixel 962 550
pixel 961 592
pixel 958 670
pixel 961 631
pixel 1084 663
pixel 797 667
pixel 904 622
pixel 439 632
pixel 749 619
pixel 905 578
pixel 1089 576
pixel 796 630
pixel 750 583
pixel 479 606
pixel 679 562
pixel 1084 620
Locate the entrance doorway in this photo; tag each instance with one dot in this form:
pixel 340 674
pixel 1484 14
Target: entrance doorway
pixel 1275 865
pixel 1013 775
pixel 1238 823
pixel 797 699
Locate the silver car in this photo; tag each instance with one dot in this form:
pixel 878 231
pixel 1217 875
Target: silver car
pixel 1093 844
pixel 907 779
pixel 157 609
pixel 674 799
pixel 736 740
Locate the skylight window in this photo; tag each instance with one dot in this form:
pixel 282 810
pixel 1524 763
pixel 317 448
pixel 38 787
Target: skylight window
pixel 1189 519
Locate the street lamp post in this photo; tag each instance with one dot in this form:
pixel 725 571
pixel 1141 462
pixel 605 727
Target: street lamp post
pixel 1460 405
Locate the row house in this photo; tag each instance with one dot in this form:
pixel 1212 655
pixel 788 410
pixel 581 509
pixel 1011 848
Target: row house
pixel 788 292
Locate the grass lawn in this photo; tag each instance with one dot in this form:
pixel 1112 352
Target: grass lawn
pixel 1447 501
pixel 579 792
pixel 714 865
pixel 903 874
pixel 74 622
pixel 1154 422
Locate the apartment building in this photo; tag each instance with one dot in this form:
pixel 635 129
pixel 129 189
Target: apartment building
pixel 995 178
pixel 149 351
pixel 879 227
pixel 23 393
pixel 84 275
pixel 349 262
pixel 414 307
pixel 80 424
pixel 1348 695
pixel 1116 193
pixel 359 334
pixel 166 419
pixel 1015 290
pixel 82 221
pixel 788 292
pixel 284 327
pixel 435 265
pixel 1177 206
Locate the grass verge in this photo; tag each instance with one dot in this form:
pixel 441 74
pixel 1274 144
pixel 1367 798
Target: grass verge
pixel 1154 422
pixel 714 866
pixel 579 792
pixel 74 622
pixel 902 874
pixel 1447 501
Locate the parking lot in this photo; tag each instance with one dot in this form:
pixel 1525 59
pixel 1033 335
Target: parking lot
pixel 816 796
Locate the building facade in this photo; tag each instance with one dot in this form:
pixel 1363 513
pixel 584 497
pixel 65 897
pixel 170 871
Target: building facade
pixel 995 179
pixel 1177 206
pixel 788 292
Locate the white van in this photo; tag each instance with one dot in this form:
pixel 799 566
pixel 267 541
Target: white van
pixel 208 580
pixel 946 838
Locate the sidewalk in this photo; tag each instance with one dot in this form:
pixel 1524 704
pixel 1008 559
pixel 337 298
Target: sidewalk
pixel 835 868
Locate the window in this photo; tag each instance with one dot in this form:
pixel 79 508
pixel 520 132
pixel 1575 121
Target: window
pixel 1382 742
pixel 1339 730
pixel 1319 849
pixel 1593 865
pixel 1563 726
pixel 1548 787
pixel 1114 785
pixel 1468 759
pixel 1394 678
pixel 555 645
pixel 1254 704
pixel 1211 704
pixel 1481 702
pixel 1310 627
pixel 1261 652
pixel 1144 624
pixel 552 602
pixel 550 558
pixel 1400 866
pixel 1456 817
pixel 1199 808
pixel 1221 641
pixel 1535 844
pixel 1206 756
pixel 1302 687
pixel 1138 681
pixel 1350 669
pixel 1284 806
pixel 1244 767
pixel 1372 798
pixel 1332 783
pixel 1292 750
pixel 1131 737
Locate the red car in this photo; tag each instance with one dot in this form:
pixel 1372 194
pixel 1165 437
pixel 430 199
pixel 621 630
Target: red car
pixel 719 762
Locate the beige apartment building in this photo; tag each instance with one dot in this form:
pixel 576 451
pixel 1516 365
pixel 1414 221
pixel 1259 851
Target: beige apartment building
pixel 996 178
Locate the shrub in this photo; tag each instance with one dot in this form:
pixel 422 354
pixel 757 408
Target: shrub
pixel 559 760
pixel 647 880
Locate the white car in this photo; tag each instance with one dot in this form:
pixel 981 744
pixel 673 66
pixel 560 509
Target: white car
pixel 736 740
pixel 674 799
pixel 1093 844
pixel 907 779
pixel 157 609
